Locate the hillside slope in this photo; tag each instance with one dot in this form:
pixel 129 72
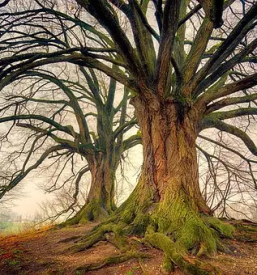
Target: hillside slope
pixel 47 252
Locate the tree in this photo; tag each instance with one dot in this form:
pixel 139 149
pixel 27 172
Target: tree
pixel 101 145
pixel 186 77
pixel 8 219
pixel 65 118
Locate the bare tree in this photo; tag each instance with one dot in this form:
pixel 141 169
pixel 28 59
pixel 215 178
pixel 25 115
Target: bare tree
pixel 186 77
pixel 59 119
pixel 74 107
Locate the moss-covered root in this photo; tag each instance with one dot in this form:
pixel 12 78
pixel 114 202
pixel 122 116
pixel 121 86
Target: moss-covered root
pixel 83 245
pixel 105 232
pixel 246 231
pixel 113 260
pixel 92 212
pixel 222 228
pixel 172 255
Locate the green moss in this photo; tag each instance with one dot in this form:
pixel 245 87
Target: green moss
pixel 119 240
pixel 139 225
pixel 224 229
pixel 185 226
pixel 195 232
pixel 170 217
pixel 164 243
pixel 88 242
pixel 167 264
pixel 93 211
pixel 100 232
pixel 173 225
pixel 152 227
pixel 128 215
pixel 245 228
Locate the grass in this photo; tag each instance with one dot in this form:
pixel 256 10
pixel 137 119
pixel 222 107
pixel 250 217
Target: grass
pixel 8 228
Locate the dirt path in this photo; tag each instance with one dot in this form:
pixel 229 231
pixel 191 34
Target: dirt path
pixel 46 252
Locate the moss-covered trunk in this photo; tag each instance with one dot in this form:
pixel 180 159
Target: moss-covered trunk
pixel 166 208
pixel 167 203
pixel 100 200
pixel 103 164
pixel 170 168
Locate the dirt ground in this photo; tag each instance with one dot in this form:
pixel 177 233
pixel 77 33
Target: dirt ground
pixel 47 252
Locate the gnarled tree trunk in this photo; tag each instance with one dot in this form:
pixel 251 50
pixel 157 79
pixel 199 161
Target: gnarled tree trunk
pixel 170 169
pixel 166 207
pixel 100 200
pixel 170 166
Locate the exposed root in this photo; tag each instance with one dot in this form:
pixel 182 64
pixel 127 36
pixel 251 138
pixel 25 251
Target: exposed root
pixel 67 240
pixel 167 265
pixel 173 255
pixel 113 260
pixel 177 229
pixel 92 212
pixel 224 230
pixel 246 231
pixel 198 237
pixel 106 232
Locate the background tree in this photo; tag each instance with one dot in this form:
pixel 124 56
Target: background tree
pixel 186 77
pixel 8 220
pixel 101 144
pixel 63 118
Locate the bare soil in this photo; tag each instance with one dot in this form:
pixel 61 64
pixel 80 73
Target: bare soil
pixel 47 252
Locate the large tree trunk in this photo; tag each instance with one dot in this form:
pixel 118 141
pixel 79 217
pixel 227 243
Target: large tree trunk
pixel 170 166
pixel 100 200
pixel 167 200
pixel 166 207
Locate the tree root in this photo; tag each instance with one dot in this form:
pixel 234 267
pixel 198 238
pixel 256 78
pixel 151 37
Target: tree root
pixel 246 231
pixel 173 255
pixel 113 260
pixel 92 212
pixel 199 236
pixel 106 232
pixel 175 229
pixel 175 249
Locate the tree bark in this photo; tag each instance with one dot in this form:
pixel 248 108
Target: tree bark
pixel 166 207
pixel 170 167
pixel 167 203
pixel 100 200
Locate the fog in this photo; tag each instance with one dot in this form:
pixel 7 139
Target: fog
pixel 31 195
